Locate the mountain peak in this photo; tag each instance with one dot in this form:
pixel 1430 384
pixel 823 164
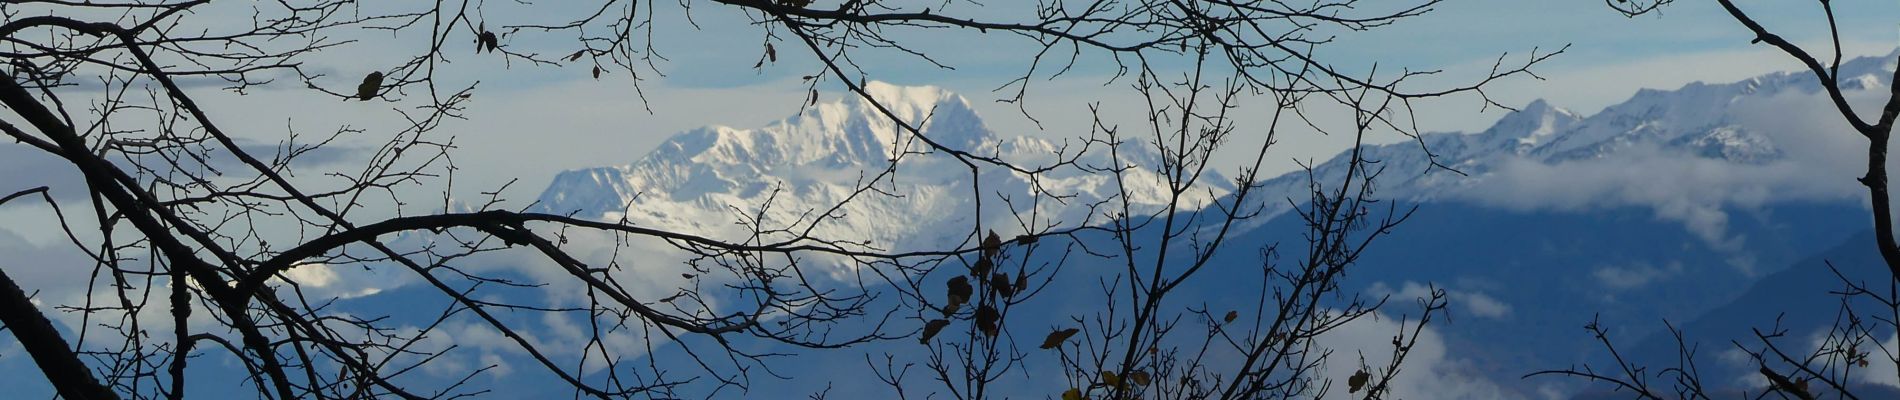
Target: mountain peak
pixel 945 117
pixel 1539 105
pixel 850 133
pixel 1859 73
pixel 1530 126
pixel 818 161
pixel 910 99
pixel 1879 66
pixel 860 126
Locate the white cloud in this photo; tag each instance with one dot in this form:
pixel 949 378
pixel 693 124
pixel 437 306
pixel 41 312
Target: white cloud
pixel 1742 367
pixel 56 274
pixel 1739 360
pixel 312 275
pixel 1821 158
pixel 1482 305
pixel 465 346
pixel 1880 368
pixel 1431 371
pixel 1689 190
pixel 1471 302
pixel 1635 275
pixel 319 281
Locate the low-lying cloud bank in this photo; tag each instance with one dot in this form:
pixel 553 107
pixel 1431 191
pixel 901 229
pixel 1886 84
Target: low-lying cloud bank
pixel 1821 159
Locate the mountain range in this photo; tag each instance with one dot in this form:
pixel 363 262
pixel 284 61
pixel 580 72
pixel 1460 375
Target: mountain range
pixel 1703 206
pixel 805 164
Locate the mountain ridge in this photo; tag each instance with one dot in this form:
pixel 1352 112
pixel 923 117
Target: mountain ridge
pixel 832 152
pixel 1643 230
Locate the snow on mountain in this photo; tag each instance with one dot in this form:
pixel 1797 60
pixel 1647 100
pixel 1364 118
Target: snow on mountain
pixel 1696 127
pixel 1662 207
pixel 1553 270
pixel 701 180
pixel 697 180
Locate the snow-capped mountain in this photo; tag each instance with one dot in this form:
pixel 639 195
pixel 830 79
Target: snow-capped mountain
pixel 1699 120
pixel 804 165
pixel 1703 200
pixel 1663 207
